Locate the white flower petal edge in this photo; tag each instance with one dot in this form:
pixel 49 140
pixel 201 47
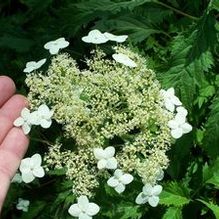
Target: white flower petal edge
pixel 118 39
pixel 31 66
pixel 119 180
pixel 23 205
pixel 30 168
pixel 17 178
pixel 105 157
pixel 124 59
pixel 24 121
pixel 95 37
pixel 170 100
pixel 55 45
pixel 149 194
pixel 83 208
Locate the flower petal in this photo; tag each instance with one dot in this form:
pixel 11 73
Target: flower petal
pixel 27 177
pixel 109 152
pixel 120 188
pixel 153 201
pixel 74 210
pixel 39 172
pixel 113 181
pixel 93 209
pixel 54 50
pixel 101 164
pixel 169 105
pixel 18 122
pixel 83 203
pixel 45 123
pixel 147 189
pixel 176 133
pixel 126 178
pixel 157 189
pixel 36 160
pixel 141 199
pixel 173 124
pixel 111 163
pixel 25 113
pixel 84 216
pixel 186 127
pixel 118 173
pixel 26 128
pixel 124 59
pixel 25 165
pixel 99 153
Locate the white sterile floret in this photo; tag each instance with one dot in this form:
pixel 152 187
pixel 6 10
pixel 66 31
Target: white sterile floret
pixel 17 178
pixel 31 168
pixel 83 209
pixel 181 110
pixel 170 100
pixel 95 37
pixel 149 194
pixel 56 45
pixel 119 180
pixel 23 205
pixel 24 121
pixel 42 116
pixel 31 66
pixel 124 59
pixel 179 126
pixel 106 158
pixel 159 175
pixel 118 39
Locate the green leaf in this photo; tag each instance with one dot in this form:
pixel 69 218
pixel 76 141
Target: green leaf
pixel 130 212
pixel 211 137
pixel 175 194
pixel 137 27
pixel 205 36
pixel 16 43
pixel 186 78
pixel 213 207
pixel 173 213
pixel 211 173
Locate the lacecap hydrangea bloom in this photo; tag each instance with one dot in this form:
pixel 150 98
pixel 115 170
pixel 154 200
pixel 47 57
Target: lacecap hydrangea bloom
pixel 116 98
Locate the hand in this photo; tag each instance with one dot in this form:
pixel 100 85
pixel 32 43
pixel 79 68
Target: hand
pixel 13 143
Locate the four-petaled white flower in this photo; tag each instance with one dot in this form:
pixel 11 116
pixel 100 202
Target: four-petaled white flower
pixel 23 205
pixel 31 66
pixel 170 100
pixel 83 209
pixel 118 39
pixel 124 59
pixel 179 126
pixel 95 37
pixel 24 121
pixel 42 116
pixel 56 45
pixel 31 168
pixel 182 111
pixel 106 158
pixel 120 180
pixel 17 178
pixel 149 194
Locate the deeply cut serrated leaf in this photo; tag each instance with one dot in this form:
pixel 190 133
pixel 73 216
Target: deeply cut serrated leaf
pixel 167 198
pixel 211 137
pixel 173 213
pixel 211 173
pixel 175 194
pixel 213 207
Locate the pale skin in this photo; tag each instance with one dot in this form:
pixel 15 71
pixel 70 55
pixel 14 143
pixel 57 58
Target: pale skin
pixel 13 142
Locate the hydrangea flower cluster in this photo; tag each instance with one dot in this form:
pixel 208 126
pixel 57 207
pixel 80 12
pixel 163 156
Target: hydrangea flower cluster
pixel 116 98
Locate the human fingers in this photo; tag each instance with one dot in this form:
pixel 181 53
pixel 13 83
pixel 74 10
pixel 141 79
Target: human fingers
pixel 9 112
pixel 12 151
pixel 7 89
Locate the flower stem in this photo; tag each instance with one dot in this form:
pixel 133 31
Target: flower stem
pixel 177 11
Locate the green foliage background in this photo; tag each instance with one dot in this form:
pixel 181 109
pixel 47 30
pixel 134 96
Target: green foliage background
pixel 180 39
